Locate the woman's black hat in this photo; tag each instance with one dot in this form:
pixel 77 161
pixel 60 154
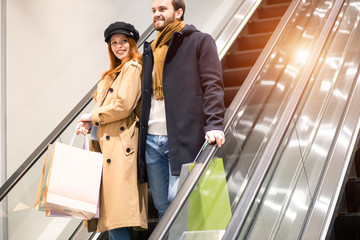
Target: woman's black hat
pixel 121 27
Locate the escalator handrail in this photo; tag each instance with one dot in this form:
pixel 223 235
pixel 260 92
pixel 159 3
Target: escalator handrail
pixel 51 138
pixel 243 208
pixel 234 26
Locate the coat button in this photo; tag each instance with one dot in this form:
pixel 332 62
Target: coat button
pixel 128 150
pixel 122 128
pixel 108 160
pixel 97 124
pixel 107 137
pixel 111 90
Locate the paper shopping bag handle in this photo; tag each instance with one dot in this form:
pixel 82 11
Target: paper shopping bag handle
pixel 86 143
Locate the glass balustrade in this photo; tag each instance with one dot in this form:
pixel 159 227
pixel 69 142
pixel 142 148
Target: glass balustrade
pixel 317 128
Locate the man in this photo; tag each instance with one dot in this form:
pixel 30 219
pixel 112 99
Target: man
pixel 182 99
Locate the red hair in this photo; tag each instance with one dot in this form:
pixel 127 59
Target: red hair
pixel 116 64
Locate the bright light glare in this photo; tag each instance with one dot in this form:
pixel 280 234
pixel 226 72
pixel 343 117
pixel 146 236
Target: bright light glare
pixel 356 5
pixel 291 70
pixel 319 150
pixel 302 55
pixel 272 205
pixel 325 86
pixel 339 94
pixel 299 199
pixel 268 82
pixel 308 36
pixel 239 16
pixel 305 123
pixel 322 204
pixel 351 71
pixel 333 62
pixel 281 86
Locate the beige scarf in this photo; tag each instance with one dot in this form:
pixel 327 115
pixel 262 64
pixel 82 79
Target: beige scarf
pixel 159 47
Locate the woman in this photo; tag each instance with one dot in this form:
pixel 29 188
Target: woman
pixel 114 132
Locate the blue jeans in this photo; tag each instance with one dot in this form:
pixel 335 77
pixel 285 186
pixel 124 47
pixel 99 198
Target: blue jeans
pixel 163 185
pixel 119 234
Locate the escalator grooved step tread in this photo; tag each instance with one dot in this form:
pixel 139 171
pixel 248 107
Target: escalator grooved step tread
pixel 245 58
pixel 357 162
pixel 235 76
pixel 137 235
pixel 275 10
pixel 264 20
pixel 352 190
pixel 347 226
pixel 274 2
pixel 229 95
pixel 263 25
pixel 251 41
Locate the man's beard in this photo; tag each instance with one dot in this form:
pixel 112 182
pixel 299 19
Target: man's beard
pixel 166 23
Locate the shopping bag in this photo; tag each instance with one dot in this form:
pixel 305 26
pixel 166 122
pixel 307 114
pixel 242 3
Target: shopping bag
pixel 52 213
pixel 44 175
pixel 209 202
pixel 73 181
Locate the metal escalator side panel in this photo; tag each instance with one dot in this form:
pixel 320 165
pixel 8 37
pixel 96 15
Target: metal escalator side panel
pixel 299 200
pixel 342 115
pixel 297 57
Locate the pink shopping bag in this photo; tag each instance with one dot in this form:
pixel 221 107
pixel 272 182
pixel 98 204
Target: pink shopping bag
pixel 52 213
pixel 73 182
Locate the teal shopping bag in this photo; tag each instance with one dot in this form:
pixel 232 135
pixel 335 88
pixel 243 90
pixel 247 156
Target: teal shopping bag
pixel 209 202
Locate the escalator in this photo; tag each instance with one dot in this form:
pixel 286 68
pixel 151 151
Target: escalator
pixel 292 134
pixel 245 50
pixel 283 131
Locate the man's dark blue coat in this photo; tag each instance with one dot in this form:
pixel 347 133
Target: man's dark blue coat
pixel 193 94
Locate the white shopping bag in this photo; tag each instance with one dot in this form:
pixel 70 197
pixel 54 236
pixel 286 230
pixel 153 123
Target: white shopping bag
pixel 73 182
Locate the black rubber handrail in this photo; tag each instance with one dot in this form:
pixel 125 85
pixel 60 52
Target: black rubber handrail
pixel 61 127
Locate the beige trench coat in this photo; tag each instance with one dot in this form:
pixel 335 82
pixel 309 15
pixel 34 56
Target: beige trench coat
pixel 123 201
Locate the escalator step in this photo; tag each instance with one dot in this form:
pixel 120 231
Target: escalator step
pixel 357 162
pixel 263 25
pixel 352 191
pixel 152 211
pixel 140 235
pixel 347 226
pixel 271 2
pixel 229 94
pixel 235 76
pixel 270 11
pixel 253 41
pixel 241 59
